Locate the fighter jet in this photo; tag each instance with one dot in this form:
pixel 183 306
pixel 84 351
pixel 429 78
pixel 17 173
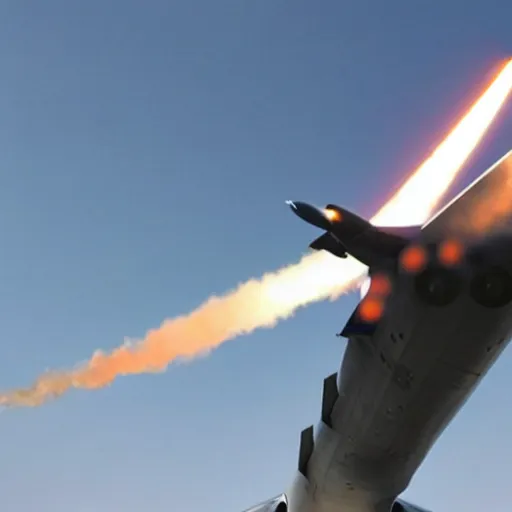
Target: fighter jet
pixel 436 316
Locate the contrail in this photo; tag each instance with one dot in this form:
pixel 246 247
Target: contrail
pixel 262 302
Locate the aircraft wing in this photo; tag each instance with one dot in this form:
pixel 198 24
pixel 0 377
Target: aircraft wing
pixel 277 504
pixel 483 207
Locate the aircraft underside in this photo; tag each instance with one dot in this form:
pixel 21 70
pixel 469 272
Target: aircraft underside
pixel 434 320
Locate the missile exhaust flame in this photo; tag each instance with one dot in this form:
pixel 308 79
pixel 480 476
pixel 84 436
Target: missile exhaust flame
pixel 260 303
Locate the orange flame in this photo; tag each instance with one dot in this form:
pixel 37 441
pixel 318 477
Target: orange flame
pixel 417 199
pixel 333 215
pixel 413 258
pixel 380 285
pixel 263 302
pixel 450 252
pixel 371 309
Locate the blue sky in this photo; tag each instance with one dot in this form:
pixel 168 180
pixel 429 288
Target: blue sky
pixel 147 149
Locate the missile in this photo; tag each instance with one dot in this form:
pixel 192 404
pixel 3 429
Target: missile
pixel 320 218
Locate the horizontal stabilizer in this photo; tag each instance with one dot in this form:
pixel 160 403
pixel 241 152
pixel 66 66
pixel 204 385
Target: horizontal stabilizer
pixel 329 243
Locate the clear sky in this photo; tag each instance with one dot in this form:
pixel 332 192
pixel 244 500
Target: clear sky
pixel 147 149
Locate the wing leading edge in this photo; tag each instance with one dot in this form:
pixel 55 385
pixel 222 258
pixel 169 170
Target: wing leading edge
pixel 481 208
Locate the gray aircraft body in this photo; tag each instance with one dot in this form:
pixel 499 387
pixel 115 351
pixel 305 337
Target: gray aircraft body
pixel 437 314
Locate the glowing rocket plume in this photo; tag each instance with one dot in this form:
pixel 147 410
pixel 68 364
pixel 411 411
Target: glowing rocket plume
pixel 276 296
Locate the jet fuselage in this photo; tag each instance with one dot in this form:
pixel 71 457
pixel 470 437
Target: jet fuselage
pixel 437 315
pixel 397 390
